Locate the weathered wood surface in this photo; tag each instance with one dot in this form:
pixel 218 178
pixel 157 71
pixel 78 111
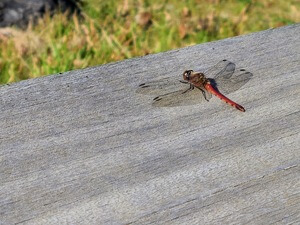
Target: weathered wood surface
pixel 84 148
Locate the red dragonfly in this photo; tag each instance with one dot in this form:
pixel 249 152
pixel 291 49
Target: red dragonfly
pixel 224 79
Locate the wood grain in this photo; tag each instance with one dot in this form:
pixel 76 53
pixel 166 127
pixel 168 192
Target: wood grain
pixel 84 148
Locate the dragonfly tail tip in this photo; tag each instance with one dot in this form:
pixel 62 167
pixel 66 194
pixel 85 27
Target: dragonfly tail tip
pixel 241 108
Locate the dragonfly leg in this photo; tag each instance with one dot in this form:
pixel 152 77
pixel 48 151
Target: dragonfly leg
pixel 183 81
pixel 204 93
pixel 189 89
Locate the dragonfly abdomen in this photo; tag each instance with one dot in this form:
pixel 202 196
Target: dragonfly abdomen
pixel 213 91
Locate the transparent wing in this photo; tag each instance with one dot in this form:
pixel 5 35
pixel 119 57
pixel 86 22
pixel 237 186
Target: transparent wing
pixel 235 82
pixel 224 68
pixel 161 87
pixel 180 98
pixel 226 78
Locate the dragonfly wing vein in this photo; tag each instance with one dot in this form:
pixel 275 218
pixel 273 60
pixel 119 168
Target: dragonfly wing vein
pixel 179 98
pixel 160 87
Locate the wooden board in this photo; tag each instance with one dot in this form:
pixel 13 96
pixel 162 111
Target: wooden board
pixel 84 148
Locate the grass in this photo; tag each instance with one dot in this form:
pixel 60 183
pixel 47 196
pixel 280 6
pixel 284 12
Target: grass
pixel 119 29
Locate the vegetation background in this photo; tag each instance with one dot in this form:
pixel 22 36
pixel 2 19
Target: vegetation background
pixel 118 29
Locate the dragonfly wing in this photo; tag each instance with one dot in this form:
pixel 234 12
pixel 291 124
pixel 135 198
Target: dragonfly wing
pixel 224 69
pixel 160 87
pixel 179 98
pixel 236 81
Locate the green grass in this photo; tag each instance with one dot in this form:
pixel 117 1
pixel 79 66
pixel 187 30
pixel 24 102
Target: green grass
pixel 119 29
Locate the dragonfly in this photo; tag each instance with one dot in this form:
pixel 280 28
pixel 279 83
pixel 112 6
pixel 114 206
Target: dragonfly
pixel 219 80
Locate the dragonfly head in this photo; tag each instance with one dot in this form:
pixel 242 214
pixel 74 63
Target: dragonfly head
pixel 187 74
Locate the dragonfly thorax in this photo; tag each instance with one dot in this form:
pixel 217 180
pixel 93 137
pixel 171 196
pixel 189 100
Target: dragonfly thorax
pixel 195 78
